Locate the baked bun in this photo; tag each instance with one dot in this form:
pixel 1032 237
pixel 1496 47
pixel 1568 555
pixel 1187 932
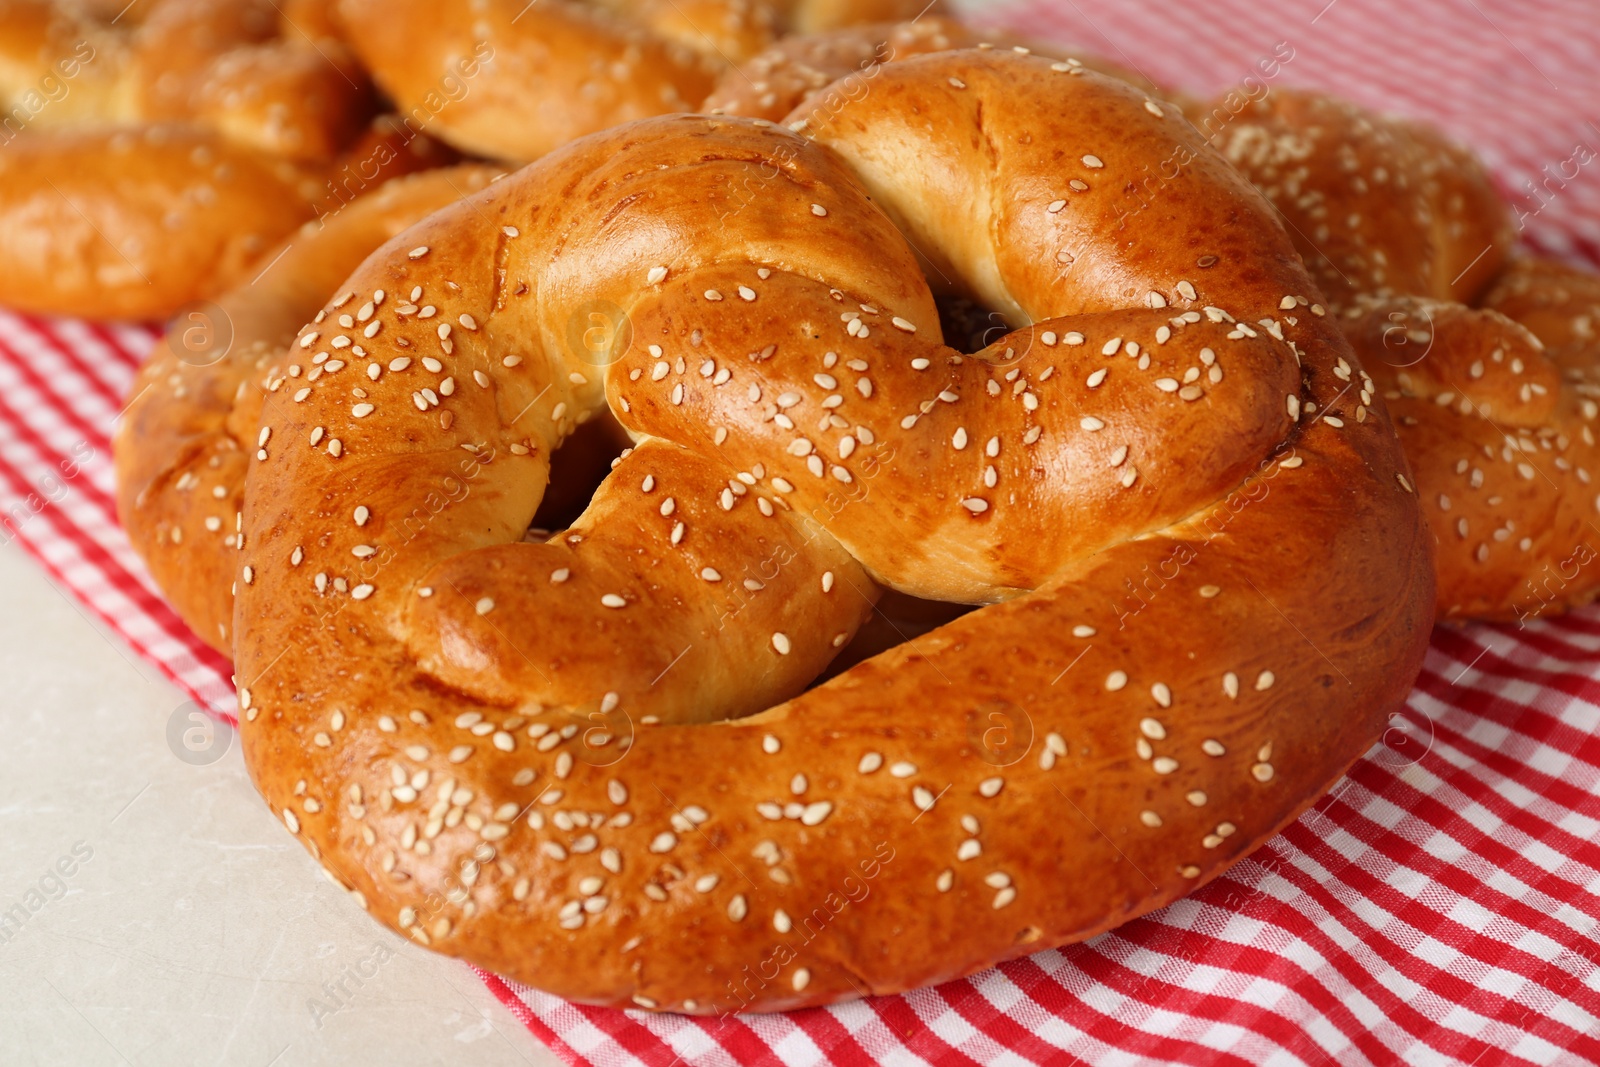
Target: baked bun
pixel 193 413
pixel 1488 364
pixel 592 763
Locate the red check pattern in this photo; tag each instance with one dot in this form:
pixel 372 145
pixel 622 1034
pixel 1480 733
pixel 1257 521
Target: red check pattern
pixel 1439 907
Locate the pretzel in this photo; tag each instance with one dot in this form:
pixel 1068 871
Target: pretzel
pixel 152 151
pixel 1489 364
pixel 592 764
pixel 193 415
pixel 511 80
pixel 139 222
pixel 796 73
pixel 236 67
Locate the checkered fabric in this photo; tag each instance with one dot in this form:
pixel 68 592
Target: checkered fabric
pixel 1439 907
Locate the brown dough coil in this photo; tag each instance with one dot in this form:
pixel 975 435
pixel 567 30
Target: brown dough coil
pixel 592 763
pixel 1488 363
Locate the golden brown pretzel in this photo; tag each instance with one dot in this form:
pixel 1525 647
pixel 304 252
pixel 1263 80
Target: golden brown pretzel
pixel 1207 576
pixel 237 67
pixel 138 222
pixel 135 223
pixel 795 73
pixel 513 80
pixel 194 410
pixel 1493 389
pixel 152 151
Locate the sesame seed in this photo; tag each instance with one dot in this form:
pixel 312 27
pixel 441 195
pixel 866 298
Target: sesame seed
pixel 1164 764
pixel 485 605
pixel 976 505
pixel 1116 680
pixel 781 643
pixel 657 274
pixel 612 600
pixel 819 211
pixel 1262 772
pixel 1092 162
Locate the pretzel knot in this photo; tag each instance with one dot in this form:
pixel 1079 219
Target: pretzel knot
pixel 592 762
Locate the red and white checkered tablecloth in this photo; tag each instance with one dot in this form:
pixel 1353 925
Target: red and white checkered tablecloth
pixel 1439 907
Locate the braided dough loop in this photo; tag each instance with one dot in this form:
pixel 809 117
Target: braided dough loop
pixel 1202 604
pixel 1493 389
pixel 193 419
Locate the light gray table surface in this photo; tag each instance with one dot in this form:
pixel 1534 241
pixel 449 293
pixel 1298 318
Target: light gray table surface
pixel 159 914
